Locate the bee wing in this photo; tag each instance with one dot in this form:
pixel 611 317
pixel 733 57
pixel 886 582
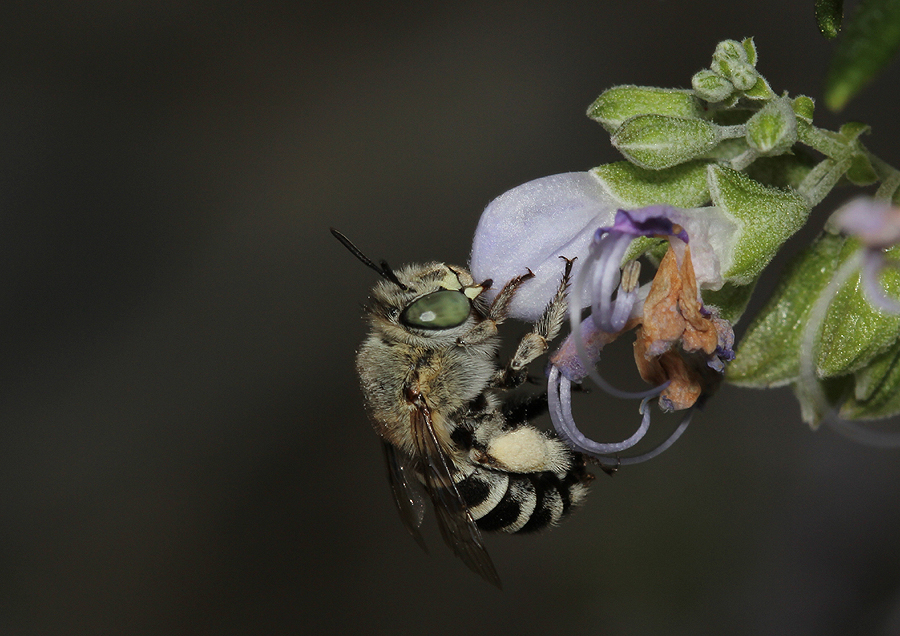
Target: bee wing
pixel 454 519
pixel 407 496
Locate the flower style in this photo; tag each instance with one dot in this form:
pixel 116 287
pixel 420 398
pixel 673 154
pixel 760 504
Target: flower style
pixel 681 345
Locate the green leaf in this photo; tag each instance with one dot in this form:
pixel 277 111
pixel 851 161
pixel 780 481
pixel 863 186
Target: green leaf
pixel 854 331
pixel 656 142
pixel 783 171
pixel 861 172
pixel 750 48
pixel 852 130
pixel 853 335
pixel 683 186
pixel 804 107
pixel 768 354
pixel 871 39
pixel 767 217
pixel 760 91
pixel 829 14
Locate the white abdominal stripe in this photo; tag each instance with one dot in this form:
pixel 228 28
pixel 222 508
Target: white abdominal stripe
pixel 519 502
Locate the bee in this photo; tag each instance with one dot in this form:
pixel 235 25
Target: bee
pixel 433 389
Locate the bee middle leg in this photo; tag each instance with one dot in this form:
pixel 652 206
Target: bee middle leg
pixel 536 342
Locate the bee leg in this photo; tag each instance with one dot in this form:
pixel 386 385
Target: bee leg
pixel 535 343
pixel 522 450
pixel 497 313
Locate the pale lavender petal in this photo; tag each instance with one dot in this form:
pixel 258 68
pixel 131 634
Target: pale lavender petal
pixel 876 223
pixel 530 227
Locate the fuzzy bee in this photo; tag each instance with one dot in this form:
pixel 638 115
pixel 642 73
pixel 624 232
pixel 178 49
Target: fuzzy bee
pixel 433 389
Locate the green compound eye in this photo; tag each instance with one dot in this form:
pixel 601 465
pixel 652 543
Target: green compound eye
pixel 443 309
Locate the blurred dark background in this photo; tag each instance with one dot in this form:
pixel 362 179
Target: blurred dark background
pixel 183 447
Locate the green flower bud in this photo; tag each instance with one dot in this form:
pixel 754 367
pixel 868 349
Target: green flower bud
pixel 767 217
pixel 620 103
pixel 656 142
pixel 710 86
pixel 682 186
pixel 743 76
pixel 730 50
pixel 773 130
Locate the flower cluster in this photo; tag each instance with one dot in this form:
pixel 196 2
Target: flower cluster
pixel 714 182
pixel 681 344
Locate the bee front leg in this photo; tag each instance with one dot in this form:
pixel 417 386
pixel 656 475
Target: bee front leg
pixel 497 313
pixel 536 342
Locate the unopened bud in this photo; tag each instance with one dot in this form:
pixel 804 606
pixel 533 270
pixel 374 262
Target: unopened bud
pixel 620 103
pixel 656 142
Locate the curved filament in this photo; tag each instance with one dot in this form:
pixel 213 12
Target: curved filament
pixel 576 322
pixel 560 402
pixel 682 426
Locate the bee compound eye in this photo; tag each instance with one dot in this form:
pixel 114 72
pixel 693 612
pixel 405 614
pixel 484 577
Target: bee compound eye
pixel 443 309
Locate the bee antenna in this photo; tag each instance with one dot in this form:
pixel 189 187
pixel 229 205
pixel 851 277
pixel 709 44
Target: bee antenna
pixel 383 269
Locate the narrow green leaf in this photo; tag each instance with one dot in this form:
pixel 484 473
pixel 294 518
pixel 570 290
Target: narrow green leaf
pixel 871 38
pixel 829 14
pixel 876 393
pixel 854 331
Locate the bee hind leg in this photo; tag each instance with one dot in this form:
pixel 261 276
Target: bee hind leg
pixel 523 450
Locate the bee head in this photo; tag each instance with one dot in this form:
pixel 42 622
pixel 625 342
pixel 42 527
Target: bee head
pixel 431 302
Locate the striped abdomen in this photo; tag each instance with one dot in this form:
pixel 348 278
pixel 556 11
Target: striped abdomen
pixel 520 502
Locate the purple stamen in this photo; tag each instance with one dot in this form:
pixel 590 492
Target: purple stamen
pixel 611 249
pixel 559 398
pixel 560 402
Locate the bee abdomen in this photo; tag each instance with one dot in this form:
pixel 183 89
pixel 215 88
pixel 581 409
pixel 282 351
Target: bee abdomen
pixel 512 502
